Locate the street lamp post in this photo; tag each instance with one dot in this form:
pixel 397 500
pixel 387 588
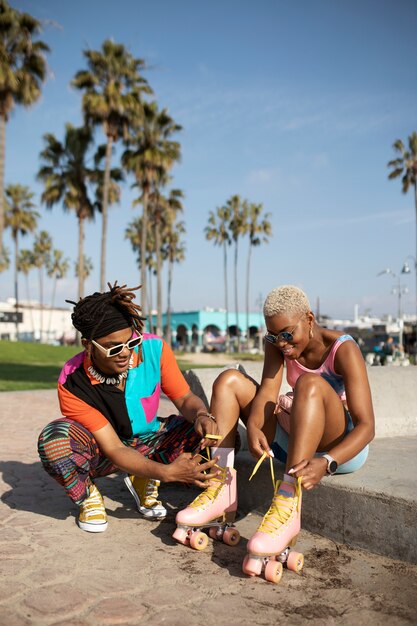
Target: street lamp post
pixel 399 290
pixel 406 270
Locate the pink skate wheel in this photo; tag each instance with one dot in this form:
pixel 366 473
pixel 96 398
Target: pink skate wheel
pixel 213 532
pixel 295 561
pixel 199 541
pixel 251 566
pixel 180 535
pixel 231 536
pixel 273 571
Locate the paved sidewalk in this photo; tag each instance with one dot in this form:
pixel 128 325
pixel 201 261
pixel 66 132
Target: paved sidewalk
pixel 55 574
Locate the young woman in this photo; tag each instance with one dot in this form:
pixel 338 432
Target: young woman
pixel 323 427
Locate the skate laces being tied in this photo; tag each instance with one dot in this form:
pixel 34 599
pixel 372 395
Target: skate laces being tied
pixel 206 497
pixel 282 506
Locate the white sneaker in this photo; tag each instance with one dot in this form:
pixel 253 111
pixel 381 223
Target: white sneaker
pixel 145 493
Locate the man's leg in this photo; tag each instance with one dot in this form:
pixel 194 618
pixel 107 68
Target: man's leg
pixel 70 454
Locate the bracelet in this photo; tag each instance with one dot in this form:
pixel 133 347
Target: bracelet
pixel 206 414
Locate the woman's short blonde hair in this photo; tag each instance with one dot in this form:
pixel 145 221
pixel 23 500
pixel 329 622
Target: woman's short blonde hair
pixel 286 300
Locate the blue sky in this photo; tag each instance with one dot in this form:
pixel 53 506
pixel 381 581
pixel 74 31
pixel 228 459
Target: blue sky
pixel 292 104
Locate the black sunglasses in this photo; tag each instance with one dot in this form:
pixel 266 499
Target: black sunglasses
pixel 285 335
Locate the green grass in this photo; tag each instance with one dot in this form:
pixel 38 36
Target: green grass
pixel 37 366
pixel 31 365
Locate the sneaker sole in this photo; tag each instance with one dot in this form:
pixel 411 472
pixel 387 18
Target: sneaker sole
pixel 148 513
pixel 92 528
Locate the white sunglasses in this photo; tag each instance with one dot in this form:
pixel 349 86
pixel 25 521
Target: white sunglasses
pixel 115 350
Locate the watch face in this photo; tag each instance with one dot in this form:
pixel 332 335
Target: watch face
pixel 332 467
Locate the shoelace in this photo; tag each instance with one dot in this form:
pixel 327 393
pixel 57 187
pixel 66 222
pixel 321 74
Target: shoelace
pixel 151 492
pixel 209 494
pixel 281 508
pixel 94 504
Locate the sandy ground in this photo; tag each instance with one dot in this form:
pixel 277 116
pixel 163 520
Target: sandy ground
pixel 54 574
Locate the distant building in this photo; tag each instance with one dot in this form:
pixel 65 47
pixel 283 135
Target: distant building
pixel 190 330
pixel 205 329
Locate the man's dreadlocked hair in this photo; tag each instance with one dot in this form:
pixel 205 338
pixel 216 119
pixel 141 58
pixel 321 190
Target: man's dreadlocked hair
pixel 101 314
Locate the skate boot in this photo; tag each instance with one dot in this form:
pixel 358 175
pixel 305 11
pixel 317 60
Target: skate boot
pixel 145 493
pixel 93 516
pixel 269 547
pixel 215 509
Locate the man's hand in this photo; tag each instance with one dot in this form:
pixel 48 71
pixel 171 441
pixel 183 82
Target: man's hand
pixel 205 425
pixel 258 443
pixel 188 468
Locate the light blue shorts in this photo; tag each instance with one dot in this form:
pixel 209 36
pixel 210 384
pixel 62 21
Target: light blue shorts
pixel 280 449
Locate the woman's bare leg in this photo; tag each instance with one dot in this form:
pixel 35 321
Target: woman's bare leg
pixel 317 419
pixel 232 396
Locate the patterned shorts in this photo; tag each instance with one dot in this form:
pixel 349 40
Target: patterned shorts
pixel 70 454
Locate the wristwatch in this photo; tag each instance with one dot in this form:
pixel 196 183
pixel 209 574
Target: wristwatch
pixel 331 464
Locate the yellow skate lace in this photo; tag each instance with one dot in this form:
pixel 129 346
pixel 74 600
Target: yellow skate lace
pixel 209 494
pixel 281 508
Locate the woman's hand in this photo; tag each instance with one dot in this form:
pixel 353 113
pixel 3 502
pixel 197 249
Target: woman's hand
pixel 188 468
pixel 257 442
pixel 310 470
pixel 205 425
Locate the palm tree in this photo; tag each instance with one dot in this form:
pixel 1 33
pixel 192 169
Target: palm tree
pixel 175 253
pixel 41 257
pixel 86 266
pixel 112 87
pixel 23 69
pixel 4 260
pixel 133 233
pixel 66 178
pixel 218 231
pixel 163 209
pixel 237 226
pixel 259 229
pixel 151 152
pixel 406 166
pixel 21 219
pixel 57 268
pixel 25 263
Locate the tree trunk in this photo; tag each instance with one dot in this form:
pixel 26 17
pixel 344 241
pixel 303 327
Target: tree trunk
pixel 80 257
pixel 150 300
pixel 168 333
pixel 80 268
pixel 247 294
pixel 52 304
pixel 105 203
pixel 143 247
pixel 159 330
pixel 30 306
pixel 415 264
pixel 2 160
pixel 41 303
pixel 226 299
pixel 237 300
pixel 16 282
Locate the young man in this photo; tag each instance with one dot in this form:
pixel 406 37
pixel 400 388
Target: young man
pixel 109 397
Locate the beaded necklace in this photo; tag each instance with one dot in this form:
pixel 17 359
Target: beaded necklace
pixel 111 380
